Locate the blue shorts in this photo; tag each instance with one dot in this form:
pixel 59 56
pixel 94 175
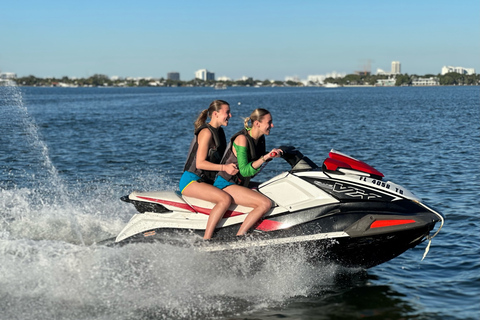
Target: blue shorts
pixel 221 183
pixel 187 178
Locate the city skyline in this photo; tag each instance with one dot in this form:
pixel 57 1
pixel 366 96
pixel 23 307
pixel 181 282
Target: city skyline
pixel 205 75
pixel 265 40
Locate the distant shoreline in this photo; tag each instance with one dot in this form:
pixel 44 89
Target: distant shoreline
pixel 210 87
pixel 349 80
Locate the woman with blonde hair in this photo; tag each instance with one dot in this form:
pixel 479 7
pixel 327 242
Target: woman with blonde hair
pixel 203 162
pixel 247 151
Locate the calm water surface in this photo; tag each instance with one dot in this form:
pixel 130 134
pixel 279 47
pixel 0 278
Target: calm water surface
pixel 68 154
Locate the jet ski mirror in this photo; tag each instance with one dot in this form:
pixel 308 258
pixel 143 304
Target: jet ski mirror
pixel 296 159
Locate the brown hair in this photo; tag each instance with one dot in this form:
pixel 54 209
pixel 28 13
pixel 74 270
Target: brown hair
pixel 256 115
pixel 216 105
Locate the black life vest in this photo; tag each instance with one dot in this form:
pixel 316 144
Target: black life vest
pixel 255 149
pixel 216 149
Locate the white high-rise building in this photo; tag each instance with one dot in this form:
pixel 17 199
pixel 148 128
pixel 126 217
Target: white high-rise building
pixel 461 70
pixel 204 74
pixel 396 68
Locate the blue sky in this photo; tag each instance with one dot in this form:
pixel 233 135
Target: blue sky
pixel 259 39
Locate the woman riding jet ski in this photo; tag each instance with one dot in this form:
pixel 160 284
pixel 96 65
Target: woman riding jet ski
pixel 343 211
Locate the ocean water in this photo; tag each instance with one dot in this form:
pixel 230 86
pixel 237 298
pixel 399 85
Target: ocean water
pixel 68 154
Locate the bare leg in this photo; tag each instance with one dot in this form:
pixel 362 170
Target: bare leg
pixel 205 191
pixel 249 198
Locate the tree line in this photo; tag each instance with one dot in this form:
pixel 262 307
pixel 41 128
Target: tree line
pixel 448 79
pixel 99 80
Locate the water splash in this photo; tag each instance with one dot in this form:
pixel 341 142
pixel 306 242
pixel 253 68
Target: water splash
pixel 147 281
pixel 13 104
pixel 12 97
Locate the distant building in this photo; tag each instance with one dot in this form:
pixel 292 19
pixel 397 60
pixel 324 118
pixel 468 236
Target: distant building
pixel 396 67
pixel 386 82
pixel 204 74
pixel 382 72
pixel 317 79
pixel 8 75
pixel 173 76
pixel 335 74
pixel 432 81
pixel 224 78
pixel 461 70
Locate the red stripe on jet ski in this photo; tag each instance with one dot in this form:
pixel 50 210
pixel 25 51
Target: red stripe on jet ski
pixel 169 203
pixel 389 223
pixel 185 206
pixel 269 225
pixel 227 214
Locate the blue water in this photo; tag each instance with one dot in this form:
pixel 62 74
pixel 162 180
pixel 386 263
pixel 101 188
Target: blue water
pixel 68 154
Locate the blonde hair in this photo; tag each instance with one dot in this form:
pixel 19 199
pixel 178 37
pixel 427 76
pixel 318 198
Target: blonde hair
pixel 216 105
pixel 256 115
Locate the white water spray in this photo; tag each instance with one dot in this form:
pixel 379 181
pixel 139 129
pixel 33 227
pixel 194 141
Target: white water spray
pixel 12 98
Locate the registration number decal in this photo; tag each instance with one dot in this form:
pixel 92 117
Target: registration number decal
pixel 382 184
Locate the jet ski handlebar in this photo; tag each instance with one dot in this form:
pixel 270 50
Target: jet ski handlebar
pixel 296 159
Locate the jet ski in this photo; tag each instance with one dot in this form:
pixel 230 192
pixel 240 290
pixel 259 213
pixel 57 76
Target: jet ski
pixel 343 211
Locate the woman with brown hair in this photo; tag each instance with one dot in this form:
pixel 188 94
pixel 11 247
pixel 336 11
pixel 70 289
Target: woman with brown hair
pixel 247 151
pixel 203 162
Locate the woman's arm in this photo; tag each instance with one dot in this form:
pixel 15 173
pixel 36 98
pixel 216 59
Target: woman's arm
pixel 247 169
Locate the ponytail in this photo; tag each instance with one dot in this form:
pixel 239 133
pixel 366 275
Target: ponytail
pixel 245 123
pixel 201 119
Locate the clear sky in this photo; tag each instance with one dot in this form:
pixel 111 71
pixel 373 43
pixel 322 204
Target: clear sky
pixel 259 39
